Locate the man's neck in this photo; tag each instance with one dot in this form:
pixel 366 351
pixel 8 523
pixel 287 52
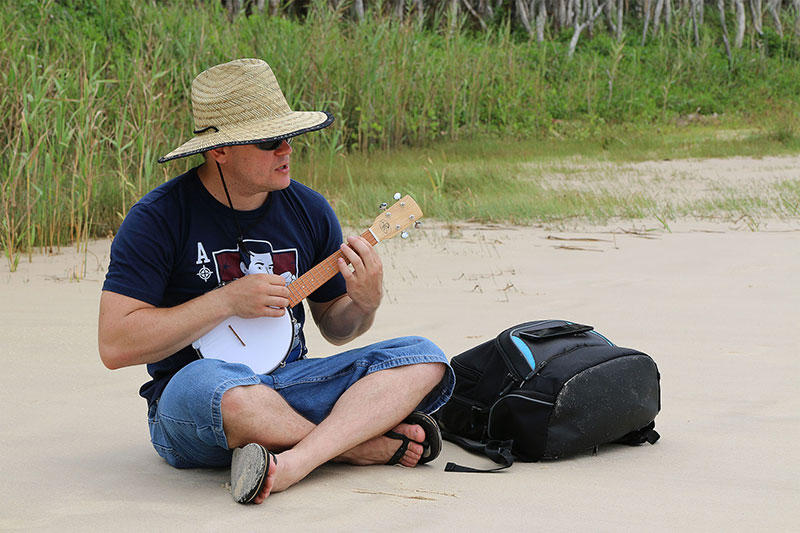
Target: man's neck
pixel 210 178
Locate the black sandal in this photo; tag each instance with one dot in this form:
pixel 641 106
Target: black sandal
pixel 432 445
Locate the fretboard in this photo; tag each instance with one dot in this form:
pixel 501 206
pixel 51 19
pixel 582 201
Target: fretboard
pixel 315 278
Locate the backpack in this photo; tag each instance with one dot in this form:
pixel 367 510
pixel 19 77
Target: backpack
pixel 547 389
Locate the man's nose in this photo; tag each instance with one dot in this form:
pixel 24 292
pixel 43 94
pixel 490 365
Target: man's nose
pixel 284 148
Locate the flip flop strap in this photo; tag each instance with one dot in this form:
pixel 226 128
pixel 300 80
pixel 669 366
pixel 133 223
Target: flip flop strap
pixel 394 435
pixel 401 451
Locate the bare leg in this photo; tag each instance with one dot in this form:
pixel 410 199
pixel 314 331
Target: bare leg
pixel 255 413
pixel 352 432
pixel 369 408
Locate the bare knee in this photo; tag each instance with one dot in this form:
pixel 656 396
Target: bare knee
pixel 235 400
pixel 437 371
pixel 256 413
pixel 237 407
pixel 429 373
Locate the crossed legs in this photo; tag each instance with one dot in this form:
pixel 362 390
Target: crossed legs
pixel 352 432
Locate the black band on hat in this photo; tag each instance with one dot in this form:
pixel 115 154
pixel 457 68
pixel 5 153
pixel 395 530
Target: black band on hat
pixel 198 132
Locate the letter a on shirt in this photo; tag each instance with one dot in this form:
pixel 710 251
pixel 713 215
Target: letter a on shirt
pixel 202 257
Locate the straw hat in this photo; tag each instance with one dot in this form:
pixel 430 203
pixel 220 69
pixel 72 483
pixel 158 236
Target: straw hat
pixel 241 103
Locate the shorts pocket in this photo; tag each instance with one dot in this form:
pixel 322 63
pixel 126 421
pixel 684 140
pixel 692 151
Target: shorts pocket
pixel 161 443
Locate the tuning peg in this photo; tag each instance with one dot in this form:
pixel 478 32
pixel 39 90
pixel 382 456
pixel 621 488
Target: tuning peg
pixel 383 206
pixel 418 223
pixel 397 196
pixel 404 235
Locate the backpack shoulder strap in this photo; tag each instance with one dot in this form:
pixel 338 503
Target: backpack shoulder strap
pixel 497 451
pixel 640 436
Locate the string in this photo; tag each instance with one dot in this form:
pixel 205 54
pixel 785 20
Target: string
pixel 240 241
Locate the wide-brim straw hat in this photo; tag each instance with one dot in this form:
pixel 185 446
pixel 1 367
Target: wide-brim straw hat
pixel 241 103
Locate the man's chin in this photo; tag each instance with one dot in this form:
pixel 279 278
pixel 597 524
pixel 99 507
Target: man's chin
pixel 284 182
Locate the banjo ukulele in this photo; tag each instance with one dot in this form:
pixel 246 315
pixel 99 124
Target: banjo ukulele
pixel 264 343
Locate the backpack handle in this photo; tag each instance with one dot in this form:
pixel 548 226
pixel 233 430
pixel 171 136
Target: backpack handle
pixel 538 333
pixel 496 450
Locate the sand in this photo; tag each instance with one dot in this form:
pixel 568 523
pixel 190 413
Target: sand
pixel 716 305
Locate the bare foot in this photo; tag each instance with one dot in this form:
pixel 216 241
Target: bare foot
pixel 269 484
pixel 288 471
pixel 379 450
pixel 288 468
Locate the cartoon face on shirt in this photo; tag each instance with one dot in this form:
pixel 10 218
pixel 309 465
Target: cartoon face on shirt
pixel 262 263
pixel 261 259
pixel 259 264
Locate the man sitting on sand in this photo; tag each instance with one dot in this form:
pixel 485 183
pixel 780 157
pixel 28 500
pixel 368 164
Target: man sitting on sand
pixel 365 406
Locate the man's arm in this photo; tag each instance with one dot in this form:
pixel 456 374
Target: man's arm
pixel 132 332
pixel 352 314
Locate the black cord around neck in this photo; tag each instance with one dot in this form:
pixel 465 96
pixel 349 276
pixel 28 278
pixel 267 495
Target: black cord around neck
pixel 240 240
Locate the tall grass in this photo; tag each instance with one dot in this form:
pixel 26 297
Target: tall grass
pixel 93 92
pixel 558 181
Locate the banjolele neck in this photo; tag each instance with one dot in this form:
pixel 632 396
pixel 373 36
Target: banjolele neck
pixel 264 343
pixel 315 278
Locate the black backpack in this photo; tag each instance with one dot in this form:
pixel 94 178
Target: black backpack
pixel 548 389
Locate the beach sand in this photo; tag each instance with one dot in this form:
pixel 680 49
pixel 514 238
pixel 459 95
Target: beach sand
pixel 716 305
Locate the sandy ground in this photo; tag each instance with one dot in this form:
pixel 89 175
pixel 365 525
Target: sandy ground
pixel 717 307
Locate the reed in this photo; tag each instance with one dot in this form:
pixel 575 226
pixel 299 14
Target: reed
pixel 93 92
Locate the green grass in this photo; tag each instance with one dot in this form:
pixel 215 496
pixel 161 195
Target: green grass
pixel 93 92
pixel 515 181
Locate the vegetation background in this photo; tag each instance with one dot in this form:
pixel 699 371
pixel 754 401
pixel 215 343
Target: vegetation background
pixel 446 103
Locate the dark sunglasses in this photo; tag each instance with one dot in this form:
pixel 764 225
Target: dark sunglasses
pixel 269 146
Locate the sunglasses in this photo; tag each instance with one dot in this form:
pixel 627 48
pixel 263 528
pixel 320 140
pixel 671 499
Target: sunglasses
pixel 269 146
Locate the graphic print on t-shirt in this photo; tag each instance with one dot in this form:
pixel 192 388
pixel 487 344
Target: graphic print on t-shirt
pixel 263 258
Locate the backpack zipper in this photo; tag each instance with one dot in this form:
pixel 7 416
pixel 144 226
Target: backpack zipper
pixel 558 356
pixel 539 367
pixel 602 337
pixel 471 372
pixel 536 366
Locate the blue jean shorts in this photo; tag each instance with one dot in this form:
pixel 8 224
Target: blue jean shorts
pixel 186 422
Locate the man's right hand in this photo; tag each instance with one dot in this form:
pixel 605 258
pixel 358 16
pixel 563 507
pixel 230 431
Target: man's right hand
pixel 132 332
pixel 257 295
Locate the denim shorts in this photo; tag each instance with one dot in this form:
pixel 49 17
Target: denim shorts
pixel 186 422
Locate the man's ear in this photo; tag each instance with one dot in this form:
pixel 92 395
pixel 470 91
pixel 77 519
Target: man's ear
pixel 219 154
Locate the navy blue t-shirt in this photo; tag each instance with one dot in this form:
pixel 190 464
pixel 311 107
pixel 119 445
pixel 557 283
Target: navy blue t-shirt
pixel 178 242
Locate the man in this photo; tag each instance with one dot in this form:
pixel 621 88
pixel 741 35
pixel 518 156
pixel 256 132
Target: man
pixel 194 233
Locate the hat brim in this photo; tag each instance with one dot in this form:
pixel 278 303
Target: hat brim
pixel 290 125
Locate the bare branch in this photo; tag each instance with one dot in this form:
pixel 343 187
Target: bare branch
pixel 580 27
pixel 541 18
pixel 609 11
pixel 522 13
pixel 739 39
pixel 453 14
pixel 657 16
pixel 695 8
pixel 476 15
pixel 647 5
pixel 796 4
pixel 772 7
pixel 358 10
pixel 721 8
pixel 756 14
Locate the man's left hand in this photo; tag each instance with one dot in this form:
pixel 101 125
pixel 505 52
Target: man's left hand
pixel 365 279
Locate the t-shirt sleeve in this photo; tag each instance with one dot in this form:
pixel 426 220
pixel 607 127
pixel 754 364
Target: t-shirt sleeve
pixel 142 257
pixel 329 241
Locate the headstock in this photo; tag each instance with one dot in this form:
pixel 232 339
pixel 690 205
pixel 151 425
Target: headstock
pixel 402 214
